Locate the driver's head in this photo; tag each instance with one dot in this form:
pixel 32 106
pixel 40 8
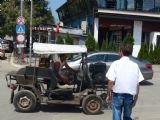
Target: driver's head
pixel 63 57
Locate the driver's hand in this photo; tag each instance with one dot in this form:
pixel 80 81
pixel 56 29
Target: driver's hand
pixel 65 79
pixel 77 71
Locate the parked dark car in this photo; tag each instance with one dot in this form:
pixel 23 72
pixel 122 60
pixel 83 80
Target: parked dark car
pixel 7 45
pixel 108 58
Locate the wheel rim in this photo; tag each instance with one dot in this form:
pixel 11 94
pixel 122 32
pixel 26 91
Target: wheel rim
pixel 24 102
pixel 93 105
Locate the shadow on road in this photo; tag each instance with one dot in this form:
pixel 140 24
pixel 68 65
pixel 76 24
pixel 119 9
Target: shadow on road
pixel 146 83
pixel 60 108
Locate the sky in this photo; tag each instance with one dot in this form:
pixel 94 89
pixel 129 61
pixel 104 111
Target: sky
pixel 54 4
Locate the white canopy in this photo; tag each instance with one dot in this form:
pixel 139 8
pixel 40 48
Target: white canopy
pixel 46 48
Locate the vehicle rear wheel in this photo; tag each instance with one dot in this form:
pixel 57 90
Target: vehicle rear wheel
pixel 92 104
pixel 24 101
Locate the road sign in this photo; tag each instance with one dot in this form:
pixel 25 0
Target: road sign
pixel 20 29
pixel 20 45
pixel 20 38
pixel 20 20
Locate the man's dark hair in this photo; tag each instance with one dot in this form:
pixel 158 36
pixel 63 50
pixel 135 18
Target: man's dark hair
pixel 126 49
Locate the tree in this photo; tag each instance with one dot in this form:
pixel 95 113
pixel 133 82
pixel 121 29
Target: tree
pixel 104 46
pixel 128 40
pixel 90 43
pixel 10 11
pixel 69 39
pixel 144 51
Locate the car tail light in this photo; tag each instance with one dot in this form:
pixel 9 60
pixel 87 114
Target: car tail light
pixel 149 66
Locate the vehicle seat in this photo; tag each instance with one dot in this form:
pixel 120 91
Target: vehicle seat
pixel 41 73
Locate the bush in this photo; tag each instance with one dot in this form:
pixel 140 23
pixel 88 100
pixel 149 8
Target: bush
pixel 69 39
pixel 144 52
pixel 59 40
pixel 90 43
pixel 104 46
pixel 128 40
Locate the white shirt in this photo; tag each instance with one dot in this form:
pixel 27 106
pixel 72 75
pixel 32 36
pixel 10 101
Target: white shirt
pixel 126 76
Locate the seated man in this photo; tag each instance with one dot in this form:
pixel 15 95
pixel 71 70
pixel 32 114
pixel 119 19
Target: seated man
pixel 58 67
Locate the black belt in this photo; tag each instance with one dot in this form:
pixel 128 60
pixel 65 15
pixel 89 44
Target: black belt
pixel 122 94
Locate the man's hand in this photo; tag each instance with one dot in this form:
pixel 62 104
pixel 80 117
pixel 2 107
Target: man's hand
pixel 65 79
pixel 134 103
pixel 108 99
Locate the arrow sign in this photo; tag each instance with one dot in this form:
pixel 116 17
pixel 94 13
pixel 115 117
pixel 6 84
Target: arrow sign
pixel 20 29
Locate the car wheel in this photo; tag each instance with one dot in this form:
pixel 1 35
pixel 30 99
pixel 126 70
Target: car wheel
pixel 24 101
pixel 92 104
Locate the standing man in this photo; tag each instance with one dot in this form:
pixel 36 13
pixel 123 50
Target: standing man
pixel 123 84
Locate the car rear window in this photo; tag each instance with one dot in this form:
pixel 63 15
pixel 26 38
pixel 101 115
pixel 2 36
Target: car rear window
pixel 111 58
pixel 96 58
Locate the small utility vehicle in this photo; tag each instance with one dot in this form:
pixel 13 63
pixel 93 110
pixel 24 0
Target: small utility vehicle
pixel 30 84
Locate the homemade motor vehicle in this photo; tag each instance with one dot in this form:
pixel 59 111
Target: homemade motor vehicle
pixel 31 83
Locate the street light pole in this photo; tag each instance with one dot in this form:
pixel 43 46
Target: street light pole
pixel 30 40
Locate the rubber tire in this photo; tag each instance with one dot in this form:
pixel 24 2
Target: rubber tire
pixel 30 96
pixel 87 100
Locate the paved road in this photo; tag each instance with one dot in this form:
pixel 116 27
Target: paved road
pixel 148 106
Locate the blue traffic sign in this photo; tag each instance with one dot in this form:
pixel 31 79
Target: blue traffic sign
pixel 20 29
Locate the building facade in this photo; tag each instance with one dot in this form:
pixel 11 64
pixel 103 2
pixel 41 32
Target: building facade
pixel 112 20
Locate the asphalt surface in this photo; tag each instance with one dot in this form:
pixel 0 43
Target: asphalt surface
pixel 147 108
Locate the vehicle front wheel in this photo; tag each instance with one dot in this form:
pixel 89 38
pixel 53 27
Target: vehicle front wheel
pixel 92 104
pixel 24 101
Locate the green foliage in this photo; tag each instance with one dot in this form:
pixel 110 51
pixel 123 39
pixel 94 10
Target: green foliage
pixel 104 46
pixel 156 55
pixel 97 47
pixel 90 43
pixel 151 53
pixel 69 39
pixel 59 40
pixel 9 13
pixel 10 10
pixel 144 52
pixel 128 40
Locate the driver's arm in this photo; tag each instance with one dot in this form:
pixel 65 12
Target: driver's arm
pixel 56 68
pixel 68 67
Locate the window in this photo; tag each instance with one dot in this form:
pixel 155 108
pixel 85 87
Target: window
pixel 101 3
pixel 130 4
pixel 157 5
pixel 148 5
pixel 111 58
pixel 120 4
pixel 96 58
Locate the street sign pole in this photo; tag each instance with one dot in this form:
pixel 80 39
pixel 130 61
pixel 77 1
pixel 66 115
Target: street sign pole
pixel 30 41
pixel 21 49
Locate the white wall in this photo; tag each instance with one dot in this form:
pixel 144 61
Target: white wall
pixel 96 26
pixel 153 38
pixel 137 35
